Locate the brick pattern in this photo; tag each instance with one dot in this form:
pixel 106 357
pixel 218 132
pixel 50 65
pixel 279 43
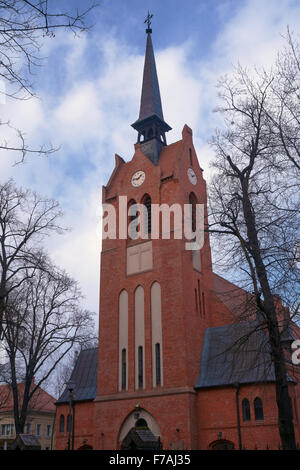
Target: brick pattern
pixel 187 419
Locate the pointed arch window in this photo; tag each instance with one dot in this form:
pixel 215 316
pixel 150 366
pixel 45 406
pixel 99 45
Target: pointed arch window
pixel 258 409
pixel 148 221
pixel 132 219
pixel 193 205
pixel 246 410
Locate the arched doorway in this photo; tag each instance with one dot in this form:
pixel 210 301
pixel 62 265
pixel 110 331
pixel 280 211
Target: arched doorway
pixel 221 444
pixel 139 430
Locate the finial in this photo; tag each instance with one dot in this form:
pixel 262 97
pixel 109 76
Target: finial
pixel 148 21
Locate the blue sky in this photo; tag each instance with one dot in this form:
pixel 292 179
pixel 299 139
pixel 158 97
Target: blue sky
pixel 89 91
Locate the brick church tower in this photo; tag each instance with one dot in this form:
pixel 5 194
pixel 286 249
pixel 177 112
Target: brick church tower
pixel 164 374
pixel 154 300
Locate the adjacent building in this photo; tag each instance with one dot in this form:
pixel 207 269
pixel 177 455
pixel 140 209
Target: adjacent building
pixel 40 420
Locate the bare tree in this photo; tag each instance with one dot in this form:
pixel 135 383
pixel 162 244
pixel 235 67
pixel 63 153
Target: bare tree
pixel 44 322
pixel 255 212
pixel 283 109
pixel 25 220
pixel 23 26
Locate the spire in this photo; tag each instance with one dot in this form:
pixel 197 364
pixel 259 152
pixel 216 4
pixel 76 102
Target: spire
pixel 150 125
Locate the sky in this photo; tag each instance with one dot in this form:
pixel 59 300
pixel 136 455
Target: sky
pixel 88 96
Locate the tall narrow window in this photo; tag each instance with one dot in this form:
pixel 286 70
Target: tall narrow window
pixel 203 301
pixel 61 423
pixel 123 340
pixel 140 366
pixel 246 410
pixel 258 409
pixel 193 205
pixel 38 429
pixel 139 341
pixel 196 300
pixel 124 369
pixel 157 360
pixel 133 220
pixel 156 333
pixel 147 204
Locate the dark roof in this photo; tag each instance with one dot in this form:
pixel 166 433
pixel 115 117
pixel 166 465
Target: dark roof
pixel 141 438
pixel 237 353
pixel 150 99
pixel 26 442
pixel 84 377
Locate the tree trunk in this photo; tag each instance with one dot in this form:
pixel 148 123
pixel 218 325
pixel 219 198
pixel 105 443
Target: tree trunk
pixel 285 411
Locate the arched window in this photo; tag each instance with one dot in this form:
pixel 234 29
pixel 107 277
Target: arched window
pixel 123 339
pixel 258 409
pixel 147 221
pixel 132 220
pixel 246 410
pixel 193 204
pixel 61 423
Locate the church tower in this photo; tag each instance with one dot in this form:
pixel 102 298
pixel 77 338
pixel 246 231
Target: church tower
pixel 154 293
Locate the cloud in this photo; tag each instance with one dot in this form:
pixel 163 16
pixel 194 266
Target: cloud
pixel 90 92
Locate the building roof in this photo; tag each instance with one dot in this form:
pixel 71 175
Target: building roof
pixel 237 353
pixel 84 377
pixel 150 98
pixel 26 442
pixel 40 402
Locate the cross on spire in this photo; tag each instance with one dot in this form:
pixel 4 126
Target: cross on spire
pixel 148 21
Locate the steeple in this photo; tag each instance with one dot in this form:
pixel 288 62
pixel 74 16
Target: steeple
pixel 150 125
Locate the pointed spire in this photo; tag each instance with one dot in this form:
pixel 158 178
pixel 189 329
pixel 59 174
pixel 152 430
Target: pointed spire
pixel 150 125
pixel 150 99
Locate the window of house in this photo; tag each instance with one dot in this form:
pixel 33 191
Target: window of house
pixel 258 409
pixel 48 433
pixel 246 410
pixel 28 428
pixel 38 429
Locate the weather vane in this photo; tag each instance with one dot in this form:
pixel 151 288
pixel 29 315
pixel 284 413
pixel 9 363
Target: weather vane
pixel 148 21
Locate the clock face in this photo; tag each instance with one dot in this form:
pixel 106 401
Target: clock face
pixel 138 178
pixel 192 176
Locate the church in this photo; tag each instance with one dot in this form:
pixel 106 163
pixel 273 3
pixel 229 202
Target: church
pixel 166 374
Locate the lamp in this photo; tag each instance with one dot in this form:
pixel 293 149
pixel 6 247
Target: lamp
pixel 137 412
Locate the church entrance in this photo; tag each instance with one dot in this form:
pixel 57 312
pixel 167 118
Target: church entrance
pixel 140 431
pixel 141 438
